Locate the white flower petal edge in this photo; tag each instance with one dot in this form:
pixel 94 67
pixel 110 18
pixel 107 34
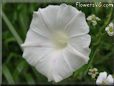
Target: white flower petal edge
pixel 103 79
pixel 110 79
pixel 57 43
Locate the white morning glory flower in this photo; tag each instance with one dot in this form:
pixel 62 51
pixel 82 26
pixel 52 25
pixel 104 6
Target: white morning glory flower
pixel 103 79
pixel 93 19
pixel 57 43
pixel 110 29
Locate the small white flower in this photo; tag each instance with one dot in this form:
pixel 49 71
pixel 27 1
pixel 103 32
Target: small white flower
pixel 57 43
pixel 110 29
pixel 94 22
pixel 98 19
pixel 93 72
pixel 93 19
pixel 103 79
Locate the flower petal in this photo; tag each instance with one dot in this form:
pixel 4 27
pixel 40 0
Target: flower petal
pixel 65 14
pixel 34 54
pixel 78 25
pixel 39 60
pixel 56 17
pixel 49 15
pixel 34 39
pixel 102 76
pixel 98 19
pixel 110 33
pixel 54 66
pixel 110 80
pixel 81 43
pixel 107 29
pixel 39 26
pixel 75 58
pixel 94 22
pixel 59 67
pixel 63 63
pixel 33 47
pixel 89 18
pixel 111 24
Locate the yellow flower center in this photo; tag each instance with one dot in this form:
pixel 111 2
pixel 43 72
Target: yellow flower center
pixel 60 40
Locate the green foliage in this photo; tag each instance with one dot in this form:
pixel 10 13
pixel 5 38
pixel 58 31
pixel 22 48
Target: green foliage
pixel 16 21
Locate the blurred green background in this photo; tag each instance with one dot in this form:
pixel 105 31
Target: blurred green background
pixel 16 20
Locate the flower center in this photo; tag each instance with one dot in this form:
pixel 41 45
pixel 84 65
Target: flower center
pixel 111 29
pixel 60 40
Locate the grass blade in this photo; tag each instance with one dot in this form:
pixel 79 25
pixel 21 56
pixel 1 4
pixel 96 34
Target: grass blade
pixel 12 29
pixel 8 75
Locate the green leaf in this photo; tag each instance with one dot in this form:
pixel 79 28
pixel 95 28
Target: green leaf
pixel 12 29
pixel 29 79
pixel 7 74
pixel 20 67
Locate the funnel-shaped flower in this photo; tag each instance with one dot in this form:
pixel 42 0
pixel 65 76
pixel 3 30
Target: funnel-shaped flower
pixel 57 42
